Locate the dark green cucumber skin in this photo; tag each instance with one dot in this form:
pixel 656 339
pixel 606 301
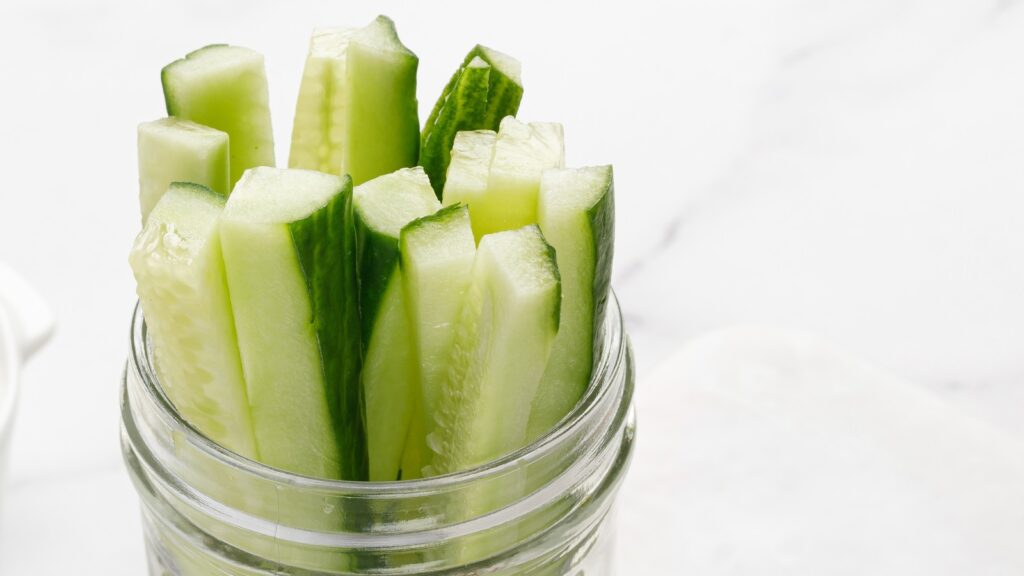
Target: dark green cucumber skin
pixel 602 226
pixel 439 216
pixel 503 99
pixel 166 70
pixel 377 256
pixel 556 316
pixel 503 95
pixel 325 245
pixel 446 121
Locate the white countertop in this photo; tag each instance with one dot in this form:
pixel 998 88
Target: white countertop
pixel 851 170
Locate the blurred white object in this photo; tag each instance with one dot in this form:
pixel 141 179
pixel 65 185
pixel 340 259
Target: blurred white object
pixel 25 324
pixel 766 453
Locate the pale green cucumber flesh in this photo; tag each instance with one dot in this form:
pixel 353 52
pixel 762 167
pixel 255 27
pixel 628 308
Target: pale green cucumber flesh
pixel 289 254
pixel 384 113
pixel 176 150
pixel 470 167
pixel 521 154
pixel 437 254
pixel 416 455
pixel 485 89
pixel 576 213
pixel 357 112
pixel 321 118
pixel 503 340
pixel 225 87
pixel 390 373
pixel 180 279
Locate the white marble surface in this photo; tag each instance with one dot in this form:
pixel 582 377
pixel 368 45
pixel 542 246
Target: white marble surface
pixel 793 458
pixel 848 169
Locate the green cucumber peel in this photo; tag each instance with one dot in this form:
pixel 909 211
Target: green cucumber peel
pixel 383 206
pixel 331 282
pixel 486 88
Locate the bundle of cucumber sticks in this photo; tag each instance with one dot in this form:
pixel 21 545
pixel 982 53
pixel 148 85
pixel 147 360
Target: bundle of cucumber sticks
pixel 393 305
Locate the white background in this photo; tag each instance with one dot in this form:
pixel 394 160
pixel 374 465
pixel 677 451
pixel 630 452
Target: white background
pixel 851 169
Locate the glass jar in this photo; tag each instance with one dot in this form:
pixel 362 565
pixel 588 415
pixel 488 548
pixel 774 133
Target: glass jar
pixel 544 510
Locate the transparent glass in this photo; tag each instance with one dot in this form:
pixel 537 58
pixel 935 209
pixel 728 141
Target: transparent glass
pixel 544 510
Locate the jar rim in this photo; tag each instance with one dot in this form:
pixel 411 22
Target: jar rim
pixel 612 354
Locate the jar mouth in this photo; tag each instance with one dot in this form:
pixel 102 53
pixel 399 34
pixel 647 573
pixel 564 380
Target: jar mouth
pixel 610 358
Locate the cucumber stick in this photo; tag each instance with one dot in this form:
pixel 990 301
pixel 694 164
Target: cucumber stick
pixel 576 212
pixel 289 254
pixel 485 89
pixel 225 87
pixel 437 254
pixel 180 279
pixel 175 150
pixel 390 372
pixel 520 154
pixel 357 112
pixel 503 340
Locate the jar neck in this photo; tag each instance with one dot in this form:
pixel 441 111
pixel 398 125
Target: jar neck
pixel 560 483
